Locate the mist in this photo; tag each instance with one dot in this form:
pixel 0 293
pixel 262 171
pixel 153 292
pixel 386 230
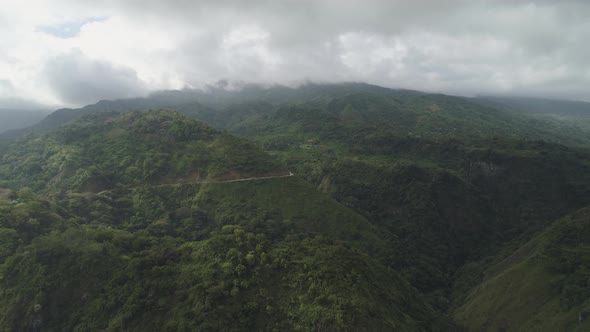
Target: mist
pixel 73 53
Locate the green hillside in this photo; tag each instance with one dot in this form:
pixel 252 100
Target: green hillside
pixel 570 115
pixel 107 150
pixel 452 184
pixel 403 213
pixel 180 262
pixel 432 117
pixel 147 254
pixel 362 106
pixel 542 286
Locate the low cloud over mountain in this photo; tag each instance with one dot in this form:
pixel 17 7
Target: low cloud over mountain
pixel 75 52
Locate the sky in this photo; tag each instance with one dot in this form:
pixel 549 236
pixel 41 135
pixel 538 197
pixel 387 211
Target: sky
pixel 76 52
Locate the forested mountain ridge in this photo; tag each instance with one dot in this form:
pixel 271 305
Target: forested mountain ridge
pixel 542 286
pixel 567 113
pixel 108 150
pixel 263 254
pixel 405 112
pixel 404 207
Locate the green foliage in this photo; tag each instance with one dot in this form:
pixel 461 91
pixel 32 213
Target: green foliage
pixel 259 255
pixel 542 286
pixel 406 207
pixel 106 150
pixel 95 277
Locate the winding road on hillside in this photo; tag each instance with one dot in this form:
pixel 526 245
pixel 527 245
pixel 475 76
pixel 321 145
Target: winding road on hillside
pixel 214 182
pixel 248 179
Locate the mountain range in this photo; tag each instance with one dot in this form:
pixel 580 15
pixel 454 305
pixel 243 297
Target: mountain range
pixel 338 207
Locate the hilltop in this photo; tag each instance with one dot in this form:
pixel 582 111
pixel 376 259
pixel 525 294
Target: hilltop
pixel 363 106
pixel 109 150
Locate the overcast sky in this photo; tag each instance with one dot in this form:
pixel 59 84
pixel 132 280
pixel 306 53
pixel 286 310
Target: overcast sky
pixel 75 52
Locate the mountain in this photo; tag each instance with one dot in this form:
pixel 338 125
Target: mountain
pixel 403 112
pixel 574 114
pixel 192 101
pixel 106 150
pixel 398 113
pixel 540 105
pixel 102 231
pixel 330 207
pixel 542 286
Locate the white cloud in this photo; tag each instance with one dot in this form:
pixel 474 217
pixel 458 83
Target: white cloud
pixel 365 54
pixel 460 46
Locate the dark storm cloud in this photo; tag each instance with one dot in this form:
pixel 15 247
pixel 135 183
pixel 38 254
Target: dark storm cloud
pixel 79 80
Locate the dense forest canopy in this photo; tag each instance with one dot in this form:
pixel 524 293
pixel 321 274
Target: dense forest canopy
pixel 323 207
pixel 317 165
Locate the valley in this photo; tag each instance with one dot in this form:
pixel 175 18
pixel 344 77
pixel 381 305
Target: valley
pixel 322 207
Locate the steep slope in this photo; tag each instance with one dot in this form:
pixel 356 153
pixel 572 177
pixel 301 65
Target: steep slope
pixel 423 187
pixel 197 103
pixel 148 253
pixel 449 179
pixel 570 115
pixel 539 105
pixel 453 181
pixel 542 286
pixel 448 204
pixel 422 116
pixel 108 150
pixel 407 113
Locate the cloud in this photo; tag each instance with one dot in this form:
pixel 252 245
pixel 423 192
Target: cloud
pixel 76 79
pixel 6 88
pixel 463 47
pixel 13 103
pixel 69 29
